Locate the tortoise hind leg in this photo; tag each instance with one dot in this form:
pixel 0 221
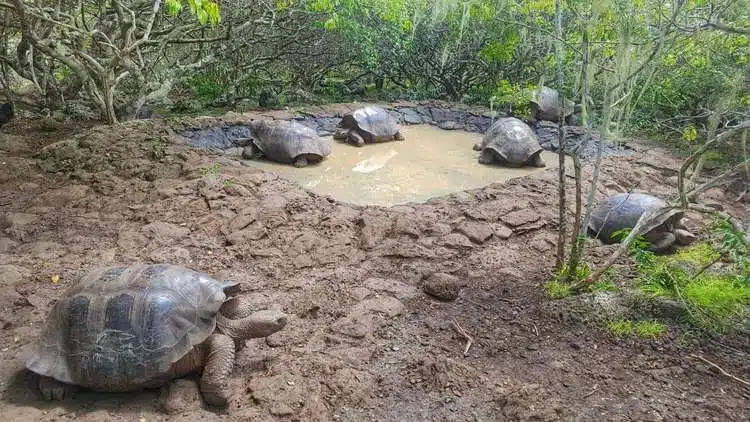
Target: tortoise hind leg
pixel 301 161
pixel 537 161
pixel 52 389
pixel 218 367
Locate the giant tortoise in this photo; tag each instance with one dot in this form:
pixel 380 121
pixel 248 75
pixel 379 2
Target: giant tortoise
pixel 623 210
pixel 545 105
pixel 509 141
pixel 368 125
pixel 287 142
pixel 140 326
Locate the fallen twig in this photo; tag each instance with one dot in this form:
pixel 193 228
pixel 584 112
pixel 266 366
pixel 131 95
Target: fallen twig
pixel 594 390
pixel 720 369
pixel 460 330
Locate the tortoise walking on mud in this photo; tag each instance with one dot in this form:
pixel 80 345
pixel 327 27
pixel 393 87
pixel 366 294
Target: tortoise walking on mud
pixel 622 211
pixel 287 142
pixel 368 125
pixel 140 326
pixel 509 141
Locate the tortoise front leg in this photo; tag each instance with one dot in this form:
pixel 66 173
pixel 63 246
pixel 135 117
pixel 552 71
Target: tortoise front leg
pixel 660 241
pixel 537 161
pixel 218 367
pixel 683 237
pixel 356 139
pixel 399 136
pixel 52 389
pixel 486 157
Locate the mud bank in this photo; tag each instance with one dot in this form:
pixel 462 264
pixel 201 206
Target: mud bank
pixel 367 339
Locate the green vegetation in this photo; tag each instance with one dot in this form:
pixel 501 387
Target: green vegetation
pixel 670 65
pixel 212 169
pixel 714 299
pixel 645 329
pixel 556 289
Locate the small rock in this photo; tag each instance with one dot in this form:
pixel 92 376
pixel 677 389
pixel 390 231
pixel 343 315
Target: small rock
pixel 241 221
pixel 254 231
pixel 457 240
pixel 384 304
pixel 355 325
pixel 7 244
pixel 477 231
pixel 281 409
pixel 407 225
pixel 449 125
pixel 442 286
pixel 360 293
pixel 510 273
pixel 162 231
pixel 520 217
pixel 503 232
pixel 397 288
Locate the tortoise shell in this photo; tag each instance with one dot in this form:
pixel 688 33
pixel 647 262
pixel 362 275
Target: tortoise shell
pixel 283 141
pixel 512 140
pixel 122 328
pixel 374 123
pixel 622 211
pixel 546 105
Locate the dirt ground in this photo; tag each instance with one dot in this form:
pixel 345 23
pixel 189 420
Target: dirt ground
pixel 364 341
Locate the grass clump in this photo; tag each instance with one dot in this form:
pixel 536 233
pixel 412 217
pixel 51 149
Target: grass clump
pixel 558 288
pixel 715 298
pixel 644 329
pixel 555 289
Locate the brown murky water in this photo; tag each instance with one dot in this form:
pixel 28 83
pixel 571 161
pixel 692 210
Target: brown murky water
pixel 431 162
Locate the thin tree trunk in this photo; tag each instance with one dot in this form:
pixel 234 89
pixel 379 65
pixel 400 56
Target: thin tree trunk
pixel 578 237
pixel 562 139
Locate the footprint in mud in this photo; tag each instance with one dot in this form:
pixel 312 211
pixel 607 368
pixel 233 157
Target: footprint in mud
pixel 375 162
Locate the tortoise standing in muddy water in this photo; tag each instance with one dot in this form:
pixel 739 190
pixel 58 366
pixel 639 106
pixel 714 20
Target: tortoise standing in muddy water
pixel 287 142
pixel 622 211
pixel 140 326
pixel 510 142
pixel 368 125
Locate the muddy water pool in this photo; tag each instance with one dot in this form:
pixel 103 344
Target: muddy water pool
pixel 430 162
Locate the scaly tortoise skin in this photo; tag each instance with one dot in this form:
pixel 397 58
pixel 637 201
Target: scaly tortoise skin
pixel 510 142
pixel 623 210
pixel 287 142
pixel 140 326
pixel 368 125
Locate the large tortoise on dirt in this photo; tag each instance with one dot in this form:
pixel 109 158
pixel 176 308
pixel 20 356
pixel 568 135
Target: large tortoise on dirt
pixel 545 105
pixel 287 142
pixel 368 125
pixel 509 141
pixel 139 326
pixel 623 210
